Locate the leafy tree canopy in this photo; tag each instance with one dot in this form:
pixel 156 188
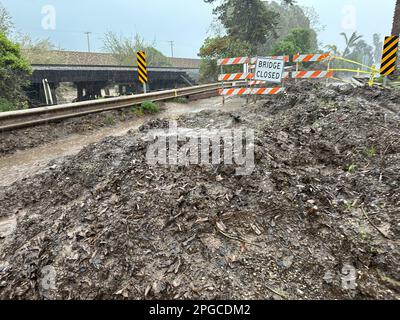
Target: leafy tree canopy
pixel 216 48
pixel 124 50
pixel 14 72
pixel 6 24
pixel 297 41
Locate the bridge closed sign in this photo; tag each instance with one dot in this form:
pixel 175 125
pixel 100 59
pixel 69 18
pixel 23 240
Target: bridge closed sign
pixel 270 70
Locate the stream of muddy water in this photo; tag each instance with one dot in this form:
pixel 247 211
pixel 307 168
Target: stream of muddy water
pixel 30 162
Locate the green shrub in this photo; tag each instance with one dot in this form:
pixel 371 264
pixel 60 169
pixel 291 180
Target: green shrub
pixel 352 168
pixel 371 152
pixel 5 105
pixel 182 100
pixel 137 111
pixel 14 74
pixel 109 120
pixel 150 107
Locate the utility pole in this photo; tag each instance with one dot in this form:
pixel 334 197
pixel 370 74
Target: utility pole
pixel 88 40
pixel 172 48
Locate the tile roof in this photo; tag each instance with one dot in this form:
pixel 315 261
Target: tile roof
pixel 93 58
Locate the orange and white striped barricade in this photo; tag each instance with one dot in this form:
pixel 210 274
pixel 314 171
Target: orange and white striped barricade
pixel 236 61
pixel 235 76
pixel 312 74
pixel 251 91
pixel 245 78
pixel 310 57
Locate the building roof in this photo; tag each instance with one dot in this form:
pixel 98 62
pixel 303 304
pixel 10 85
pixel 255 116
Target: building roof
pixel 93 58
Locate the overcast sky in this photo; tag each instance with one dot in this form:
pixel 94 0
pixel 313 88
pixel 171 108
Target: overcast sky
pixel 186 22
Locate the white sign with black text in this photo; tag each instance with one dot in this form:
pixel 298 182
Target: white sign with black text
pixel 270 70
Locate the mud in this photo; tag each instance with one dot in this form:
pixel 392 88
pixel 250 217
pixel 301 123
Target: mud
pixel 27 160
pixel 317 219
pixel 23 139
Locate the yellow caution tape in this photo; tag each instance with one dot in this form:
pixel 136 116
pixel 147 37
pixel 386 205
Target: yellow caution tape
pixel 351 70
pixel 372 77
pixel 354 62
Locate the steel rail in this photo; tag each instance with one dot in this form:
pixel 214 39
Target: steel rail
pixel 31 117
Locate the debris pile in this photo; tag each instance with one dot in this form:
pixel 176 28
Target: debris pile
pixel 317 219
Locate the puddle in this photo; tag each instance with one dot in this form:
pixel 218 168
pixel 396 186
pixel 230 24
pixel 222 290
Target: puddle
pixel 7 226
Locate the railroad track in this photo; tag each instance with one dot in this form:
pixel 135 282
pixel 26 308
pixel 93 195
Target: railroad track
pixel 31 117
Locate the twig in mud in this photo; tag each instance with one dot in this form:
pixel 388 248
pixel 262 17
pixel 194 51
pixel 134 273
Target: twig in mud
pixel 276 292
pixel 383 154
pixel 372 224
pixel 237 238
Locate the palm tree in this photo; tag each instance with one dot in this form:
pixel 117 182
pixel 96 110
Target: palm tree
pixel 333 49
pixel 396 20
pixel 350 42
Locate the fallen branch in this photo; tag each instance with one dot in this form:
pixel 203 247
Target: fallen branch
pixel 372 224
pixel 237 238
pixel 276 292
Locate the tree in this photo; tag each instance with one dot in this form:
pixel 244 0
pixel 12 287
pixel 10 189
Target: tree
pixel 290 17
pixel 297 41
pixel 248 21
pixel 36 51
pixel 248 24
pixel 362 52
pixel 378 45
pixel 350 42
pixel 6 24
pixel 216 48
pixel 333 49
pixel 396 19
pixel 124 50
pixel 14 73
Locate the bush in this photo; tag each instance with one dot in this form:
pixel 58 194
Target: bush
pixel 109 120
pixel 150 107
pixel 220 47
pixel 14 74
pixel 5 105
pixel 299 40
pixel 182 100
pixel 137 111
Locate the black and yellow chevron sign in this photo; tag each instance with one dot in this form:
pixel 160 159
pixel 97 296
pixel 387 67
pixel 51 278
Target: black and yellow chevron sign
pixel 389 56
pixel 142 67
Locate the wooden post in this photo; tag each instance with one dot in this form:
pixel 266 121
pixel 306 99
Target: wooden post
pixel 223 85
pixel 246 72
pixel 329 67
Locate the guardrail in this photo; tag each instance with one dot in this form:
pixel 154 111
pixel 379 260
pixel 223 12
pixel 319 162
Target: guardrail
pixel 30 117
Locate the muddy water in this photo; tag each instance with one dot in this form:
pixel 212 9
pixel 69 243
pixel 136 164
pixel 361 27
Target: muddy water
pixel 7 226
pixel 33 161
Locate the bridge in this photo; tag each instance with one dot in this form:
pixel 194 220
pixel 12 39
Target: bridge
pixel 91 80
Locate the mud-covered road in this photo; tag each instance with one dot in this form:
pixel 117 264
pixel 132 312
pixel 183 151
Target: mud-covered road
pixel 318 218
pixel 31 151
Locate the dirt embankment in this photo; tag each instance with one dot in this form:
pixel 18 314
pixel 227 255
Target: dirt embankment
pixel 318 217
pixel 22 139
